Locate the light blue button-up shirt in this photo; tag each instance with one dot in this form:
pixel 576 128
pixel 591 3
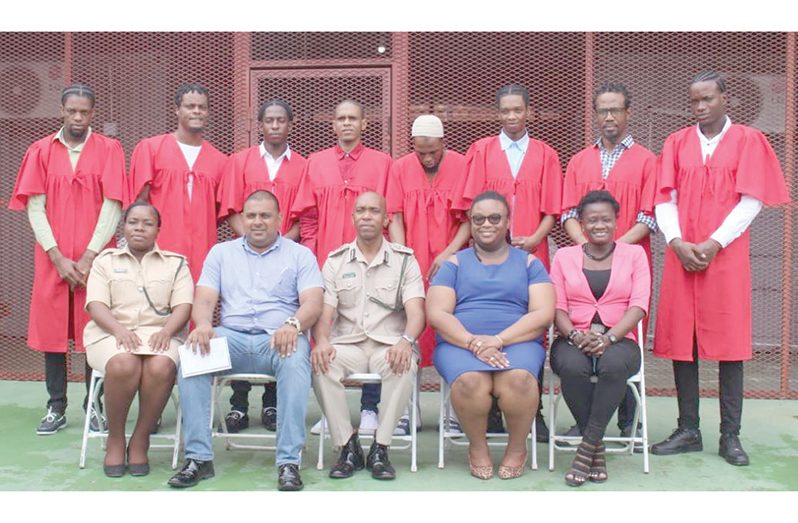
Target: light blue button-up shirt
pixel 259 291
pixel 515 150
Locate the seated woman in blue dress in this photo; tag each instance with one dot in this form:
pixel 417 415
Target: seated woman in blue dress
pixel 490 327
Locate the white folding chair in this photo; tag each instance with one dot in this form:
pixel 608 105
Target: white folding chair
pixel 410 441
pixel 219 428
pixel 446 437
pixel 559 441
pixel 97 379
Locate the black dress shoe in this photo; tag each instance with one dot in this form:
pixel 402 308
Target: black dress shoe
pixel 377 462
pixel 731 450
pixel 682 440
pixel 350 460
pixel 288 477
pixel 138 469
pixel 191 473
pixel 269 418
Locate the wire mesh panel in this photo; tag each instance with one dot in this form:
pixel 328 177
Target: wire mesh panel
pixel 398 76
pixel 313 115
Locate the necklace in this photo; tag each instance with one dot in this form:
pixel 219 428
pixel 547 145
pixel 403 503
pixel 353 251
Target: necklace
pixel 597 258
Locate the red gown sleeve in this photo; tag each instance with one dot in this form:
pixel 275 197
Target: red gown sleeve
pixel 551 188
pixel 30 178
pixel 569 193
pixel 758 173
pixel 231 188
pixel 666 172
pixel 141 168
pixel 113 178
pixel 305 210
pixel 395 194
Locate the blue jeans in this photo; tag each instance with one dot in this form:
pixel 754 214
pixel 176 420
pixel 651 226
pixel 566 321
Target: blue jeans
pixel 250 353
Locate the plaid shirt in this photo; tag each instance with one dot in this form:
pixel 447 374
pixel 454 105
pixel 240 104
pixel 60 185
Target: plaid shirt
pixel 608 161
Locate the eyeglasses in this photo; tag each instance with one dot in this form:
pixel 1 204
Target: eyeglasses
pixel 614 111
pixel 478 219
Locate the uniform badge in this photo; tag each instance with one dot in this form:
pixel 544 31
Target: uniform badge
pixel 349 275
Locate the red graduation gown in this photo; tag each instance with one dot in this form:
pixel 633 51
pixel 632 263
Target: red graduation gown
pixel 631 181
pixel 73 204
pixel 427 213
pixel 188 226
pixel 537 188
pixel 715 304
pixel 325 191
pixel 246 173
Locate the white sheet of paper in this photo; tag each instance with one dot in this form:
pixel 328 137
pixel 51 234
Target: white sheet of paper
pixel 217 359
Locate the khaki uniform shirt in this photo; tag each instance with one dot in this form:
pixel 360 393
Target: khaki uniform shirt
pixel 351 284
pixel 118 280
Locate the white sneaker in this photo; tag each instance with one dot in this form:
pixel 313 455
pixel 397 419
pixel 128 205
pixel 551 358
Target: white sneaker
pixel 368 422
pixel 403 427
pixel 316 429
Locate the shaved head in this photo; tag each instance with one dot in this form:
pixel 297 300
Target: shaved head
pixel 371 198
pixel 259 196
pixel 353 103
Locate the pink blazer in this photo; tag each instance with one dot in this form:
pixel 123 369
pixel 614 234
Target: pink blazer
pixel 629 285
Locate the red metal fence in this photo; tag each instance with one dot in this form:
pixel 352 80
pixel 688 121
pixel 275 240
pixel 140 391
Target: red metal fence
pixel 398 76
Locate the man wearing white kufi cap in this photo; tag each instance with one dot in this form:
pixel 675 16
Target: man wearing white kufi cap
pixel 421 188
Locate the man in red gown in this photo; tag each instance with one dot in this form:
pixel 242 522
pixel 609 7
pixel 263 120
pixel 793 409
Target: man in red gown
pixel 332 181
pixel 615 163
pixel 72 184
pixel 419 197
pixel 179 173
pixel 712 180
pixel 526 171
pixel 275 167
pixel 334 178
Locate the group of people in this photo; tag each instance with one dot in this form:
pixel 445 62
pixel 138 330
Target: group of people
pixel 464 230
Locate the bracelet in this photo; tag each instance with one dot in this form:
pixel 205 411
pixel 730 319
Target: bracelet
pixel 501 341
pixel 572 334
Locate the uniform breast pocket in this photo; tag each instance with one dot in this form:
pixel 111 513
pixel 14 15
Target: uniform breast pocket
pixel 349 291
pixel 386 291
pixel 123 288
pixel 285 287
pixel 160 292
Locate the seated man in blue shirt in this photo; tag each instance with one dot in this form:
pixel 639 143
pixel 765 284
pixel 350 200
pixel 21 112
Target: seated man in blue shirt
pixel 271 291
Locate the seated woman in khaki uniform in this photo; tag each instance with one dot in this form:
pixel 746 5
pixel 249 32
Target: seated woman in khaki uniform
pixel 139 298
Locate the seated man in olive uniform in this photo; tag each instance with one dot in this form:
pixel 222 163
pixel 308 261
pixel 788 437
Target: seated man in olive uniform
pixel 373 313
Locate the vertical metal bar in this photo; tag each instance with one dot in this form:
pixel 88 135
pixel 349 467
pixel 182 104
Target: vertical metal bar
pixel 68 58
pixel 400 87
pixel 589 80
pixel 789 211
pixel 242 111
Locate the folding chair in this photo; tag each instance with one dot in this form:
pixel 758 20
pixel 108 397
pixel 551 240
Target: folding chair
pixel 639 379
pixel 446 437
pixel 411 441
pixel 219 428
pixel 97 379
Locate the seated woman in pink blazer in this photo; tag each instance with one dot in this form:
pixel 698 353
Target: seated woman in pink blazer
pixel 603 290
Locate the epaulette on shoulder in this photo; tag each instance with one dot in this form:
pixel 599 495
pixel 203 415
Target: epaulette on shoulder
pixel 339 251
pixel 398 247
pixel 106 252
pixel 170 254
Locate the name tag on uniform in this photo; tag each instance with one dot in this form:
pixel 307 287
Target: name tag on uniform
pixel 349 275
pixel 120 269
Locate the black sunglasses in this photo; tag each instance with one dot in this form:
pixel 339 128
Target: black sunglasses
pixel 478 219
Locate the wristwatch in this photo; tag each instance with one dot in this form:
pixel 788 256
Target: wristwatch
pixel 612 337
pixel 294 322
pixel 408 339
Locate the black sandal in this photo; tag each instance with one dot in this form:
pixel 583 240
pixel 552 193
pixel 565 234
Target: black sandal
pixel 580 468
pixel 598 469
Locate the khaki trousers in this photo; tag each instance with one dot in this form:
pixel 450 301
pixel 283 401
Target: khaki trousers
pixel 367 356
